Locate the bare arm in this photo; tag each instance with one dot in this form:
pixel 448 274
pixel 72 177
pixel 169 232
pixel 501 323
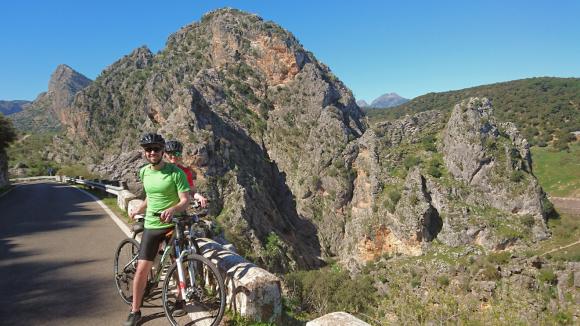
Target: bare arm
pixel 140 210
pixel 167 214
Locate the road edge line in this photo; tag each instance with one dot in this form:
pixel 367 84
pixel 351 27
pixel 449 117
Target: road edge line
pixel 9 190
pixel 112 215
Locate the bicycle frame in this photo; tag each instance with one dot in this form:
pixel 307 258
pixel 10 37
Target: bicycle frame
pixel 180 253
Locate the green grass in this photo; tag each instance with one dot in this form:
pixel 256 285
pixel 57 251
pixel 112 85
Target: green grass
pixel 558 172
pixel 571 253
pixel 111 202
pixel 565 230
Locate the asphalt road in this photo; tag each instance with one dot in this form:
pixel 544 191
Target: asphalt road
pixel 56 260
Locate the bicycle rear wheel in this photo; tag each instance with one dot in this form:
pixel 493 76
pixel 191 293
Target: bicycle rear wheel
pixel 125 267
pixel 205 295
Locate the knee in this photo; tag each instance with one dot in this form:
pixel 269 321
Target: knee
pixel 142 269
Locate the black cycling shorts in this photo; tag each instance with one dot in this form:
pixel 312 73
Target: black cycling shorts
pixel 150 240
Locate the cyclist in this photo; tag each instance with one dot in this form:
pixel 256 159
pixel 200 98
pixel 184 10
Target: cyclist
pixel 173 152
pixel 166 190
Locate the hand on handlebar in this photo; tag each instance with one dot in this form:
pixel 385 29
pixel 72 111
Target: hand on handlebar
pixel 199 200
pixel 167 214
pixel 134 214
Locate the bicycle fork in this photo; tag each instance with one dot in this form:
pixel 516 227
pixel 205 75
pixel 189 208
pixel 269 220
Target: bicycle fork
pixel 181 274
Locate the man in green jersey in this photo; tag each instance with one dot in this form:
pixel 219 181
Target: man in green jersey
pixel 166 190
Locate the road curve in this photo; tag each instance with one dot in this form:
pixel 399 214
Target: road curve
pixel 56 256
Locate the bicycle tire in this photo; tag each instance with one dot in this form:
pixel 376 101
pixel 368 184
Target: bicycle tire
pixel 124 268
pixel 205 303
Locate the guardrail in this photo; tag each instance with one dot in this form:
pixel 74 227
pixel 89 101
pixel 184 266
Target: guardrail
pixel 115 190
pixel 43 177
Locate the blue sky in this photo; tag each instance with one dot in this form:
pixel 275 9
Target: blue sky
pixel 374 47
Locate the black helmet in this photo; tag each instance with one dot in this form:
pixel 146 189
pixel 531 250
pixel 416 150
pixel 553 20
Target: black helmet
pixel 173 146
pixel 152 139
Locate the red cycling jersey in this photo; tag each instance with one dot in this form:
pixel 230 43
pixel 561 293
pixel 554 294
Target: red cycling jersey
pixel 188 173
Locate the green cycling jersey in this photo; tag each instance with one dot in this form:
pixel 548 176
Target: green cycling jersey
pixel 162 188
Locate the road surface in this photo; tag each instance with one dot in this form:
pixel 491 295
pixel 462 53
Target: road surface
pixel 56 260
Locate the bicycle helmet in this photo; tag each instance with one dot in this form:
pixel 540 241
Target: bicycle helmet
pixel 152 139
pixel 173 146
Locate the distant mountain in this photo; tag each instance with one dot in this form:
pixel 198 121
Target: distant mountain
pixel 540 107
pixel 49 110
pixel 362 104
pixel 9 107
pixel 388 100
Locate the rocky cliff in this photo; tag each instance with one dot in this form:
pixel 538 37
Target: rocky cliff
pixel 261 119
pixel 280 146
pixel 467 180
pixel 49 111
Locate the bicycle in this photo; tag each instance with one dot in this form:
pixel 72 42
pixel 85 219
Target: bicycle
pixel 191 277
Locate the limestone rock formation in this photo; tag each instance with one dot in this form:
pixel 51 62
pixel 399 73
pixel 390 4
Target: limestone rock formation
pixel 280 146
pixel 261 120
pixel 465 180
pixel 49 111
pixel 494 160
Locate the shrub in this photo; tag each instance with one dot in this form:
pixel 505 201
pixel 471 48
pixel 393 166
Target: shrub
pixel 528 220
pixel 548 209
pixel 434 169
pixel 411 161
pixel 517 176
pixel 331 289
pixel 7 133
pixel 499 258
pixel 429 143
pixel 394 196
pixel 490 273
pixel 76 170
pixel 443 280
pixel 547 276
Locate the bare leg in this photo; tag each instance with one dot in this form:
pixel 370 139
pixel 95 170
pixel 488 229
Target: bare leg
pixel 139 283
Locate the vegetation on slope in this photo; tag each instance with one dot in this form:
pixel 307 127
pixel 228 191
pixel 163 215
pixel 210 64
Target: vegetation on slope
pixel 450 285
pixel 544 109
pixel 558 171
pixel 7 133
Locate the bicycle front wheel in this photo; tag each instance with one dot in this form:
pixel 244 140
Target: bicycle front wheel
pixel 125 267
pixel 205 296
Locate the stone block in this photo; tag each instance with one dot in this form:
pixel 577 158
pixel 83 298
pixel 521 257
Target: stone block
pixel 123 199
pixel 251 291
pixel 337 319
pixel 134 204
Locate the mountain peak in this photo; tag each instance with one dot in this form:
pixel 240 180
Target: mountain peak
pixel 388 100
pixel 64 78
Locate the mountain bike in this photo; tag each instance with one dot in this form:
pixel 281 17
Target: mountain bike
pixel 191 276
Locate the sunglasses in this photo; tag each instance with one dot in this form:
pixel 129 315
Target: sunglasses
pixel 178 154
pixel 152 149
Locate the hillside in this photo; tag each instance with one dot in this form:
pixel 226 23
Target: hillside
pixel 541 108
pixel 279 144
pixel 7 135
pixel 9 107
pixel 298 180
pixel 47 112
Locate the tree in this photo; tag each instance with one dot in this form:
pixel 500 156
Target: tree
pixel 7 133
